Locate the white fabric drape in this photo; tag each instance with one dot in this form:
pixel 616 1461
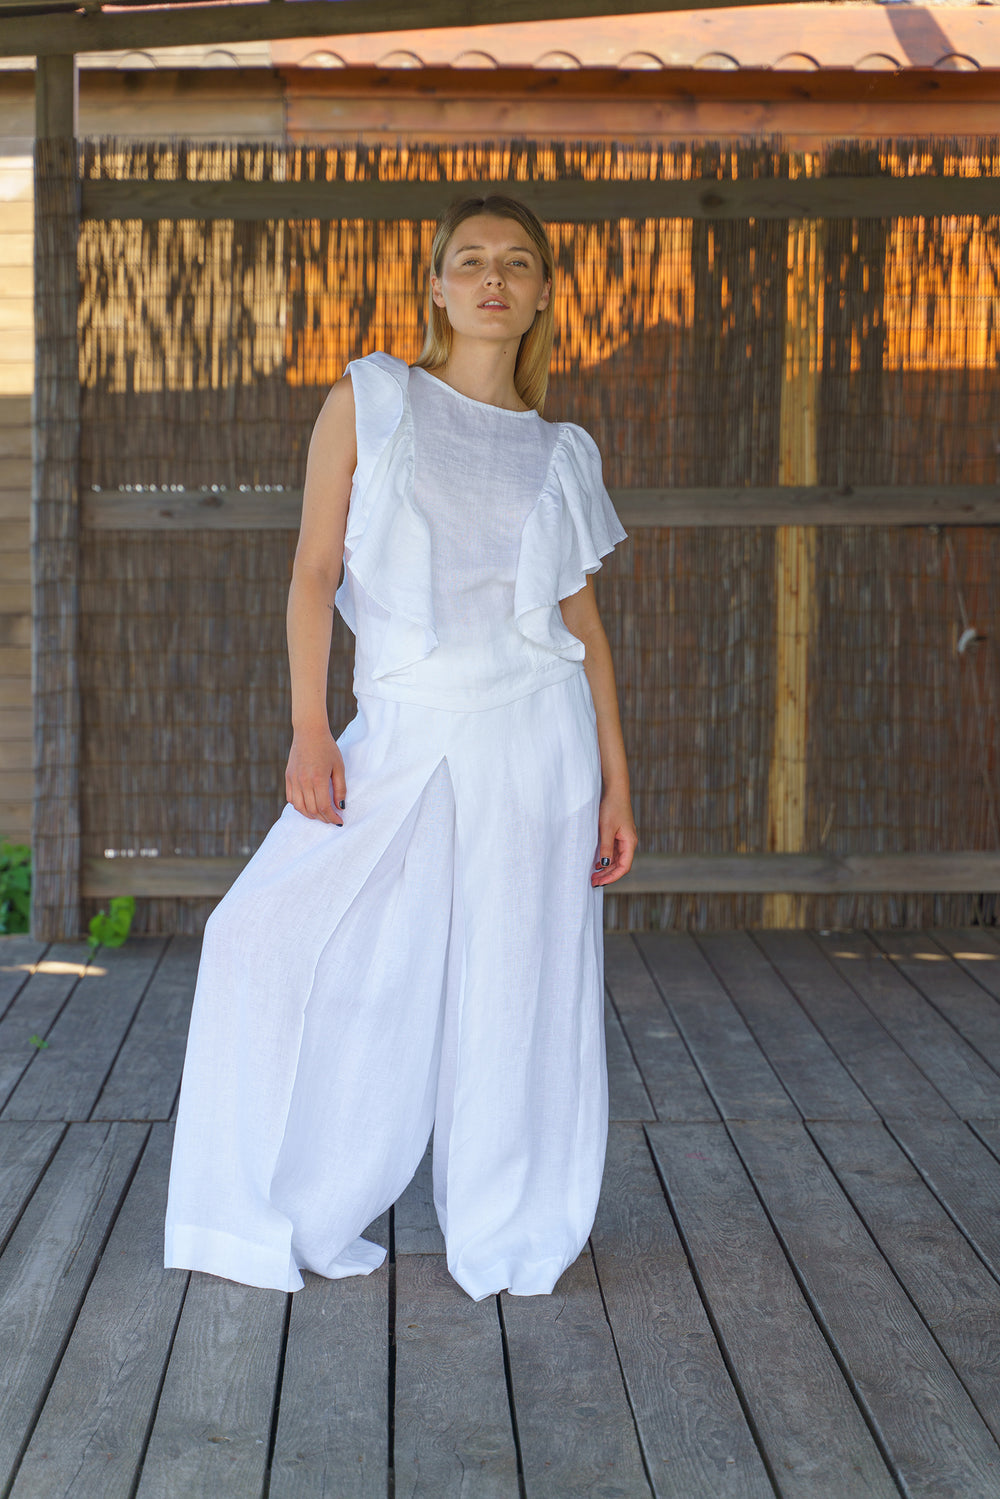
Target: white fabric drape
pixel 437 961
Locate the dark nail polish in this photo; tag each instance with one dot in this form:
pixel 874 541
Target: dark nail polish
pixel 341 805
pixel 605 863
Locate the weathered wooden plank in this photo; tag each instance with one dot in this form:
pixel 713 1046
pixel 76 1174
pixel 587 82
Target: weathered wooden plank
pixel 36 1007
pixel 738 1075
pixel 672 1080
pixel 25 1152
pixel 877 1063
pixel 90 1437
pixel 18 956
pixel 165 876
pixel 213 1421
pixel 453 1434
pixel 935 1437
pixel 64 1081
pixel 146 1075
pixel 694 1434
pixel 558 200
pixel 962 1173
pixel 802 1410
pixel 976 951
pixel 576 1431
pixel 55 834
pixel 651 874
pixel 951 1288
pixel 238 23
pixel 816 874
pixel 952 991
pixel 273 509
pixel 815 1078
pixel 957 1071
pixel 416 1226
pixel 811 505
pixel 332 1436
pixel 46 1267
pixel 627 1096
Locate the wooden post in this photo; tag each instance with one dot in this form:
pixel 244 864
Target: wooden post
pixel 55 909
pixel 795 561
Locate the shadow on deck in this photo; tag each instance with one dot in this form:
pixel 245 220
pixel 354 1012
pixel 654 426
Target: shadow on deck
pixel 791 1288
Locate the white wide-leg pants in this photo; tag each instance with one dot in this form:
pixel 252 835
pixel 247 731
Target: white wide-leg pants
pixel 436 961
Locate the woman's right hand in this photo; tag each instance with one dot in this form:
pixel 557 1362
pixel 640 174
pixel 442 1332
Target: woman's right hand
pixel 314 763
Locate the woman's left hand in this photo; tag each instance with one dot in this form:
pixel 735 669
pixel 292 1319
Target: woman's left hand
pixel 618 840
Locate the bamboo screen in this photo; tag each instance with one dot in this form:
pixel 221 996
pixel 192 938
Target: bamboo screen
pixel 207 349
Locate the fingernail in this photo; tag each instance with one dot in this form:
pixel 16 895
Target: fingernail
pixel 341 805
pixel 605 863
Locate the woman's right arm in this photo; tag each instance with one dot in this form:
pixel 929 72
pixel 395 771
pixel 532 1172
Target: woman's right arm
pixel 314 760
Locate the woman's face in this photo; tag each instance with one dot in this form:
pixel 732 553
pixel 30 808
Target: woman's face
pixel 492 279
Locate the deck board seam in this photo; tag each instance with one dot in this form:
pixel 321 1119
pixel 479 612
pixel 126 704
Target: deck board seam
pixel 881 1023
pixel 822 1325
pixel 143 991
pixel 711 1317
pixel 897 1276
pixel 621 1370
pixel 74 1316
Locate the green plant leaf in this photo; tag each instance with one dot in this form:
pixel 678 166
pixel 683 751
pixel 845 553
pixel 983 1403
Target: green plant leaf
pixel 110 928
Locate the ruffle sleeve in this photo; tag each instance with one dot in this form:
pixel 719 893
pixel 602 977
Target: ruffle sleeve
pixel 571 527
pixel 387 546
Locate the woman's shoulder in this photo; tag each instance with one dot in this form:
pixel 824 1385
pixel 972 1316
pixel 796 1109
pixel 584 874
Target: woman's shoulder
pixel 578 441
pixel 379 359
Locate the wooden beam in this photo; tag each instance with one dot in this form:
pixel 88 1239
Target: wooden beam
pixel 652 874
pixel 57 96
pixel 795 561
pixel 175 25
pixel 55 896
pixel 820 505
pixel 567 200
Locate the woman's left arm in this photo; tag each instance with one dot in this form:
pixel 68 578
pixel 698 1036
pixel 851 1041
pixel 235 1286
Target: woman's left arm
pixel 617 834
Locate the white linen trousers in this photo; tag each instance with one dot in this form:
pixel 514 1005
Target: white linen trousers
pixel 436 962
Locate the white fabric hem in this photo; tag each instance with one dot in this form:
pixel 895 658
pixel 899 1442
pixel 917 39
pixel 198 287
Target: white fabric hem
pixel 215 1252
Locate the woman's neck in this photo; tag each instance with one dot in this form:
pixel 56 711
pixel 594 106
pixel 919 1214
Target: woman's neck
pixel 484 373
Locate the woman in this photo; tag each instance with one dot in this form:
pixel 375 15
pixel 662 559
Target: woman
pixel 418 939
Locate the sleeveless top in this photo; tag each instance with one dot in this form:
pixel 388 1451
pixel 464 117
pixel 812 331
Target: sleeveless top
pixel 467 524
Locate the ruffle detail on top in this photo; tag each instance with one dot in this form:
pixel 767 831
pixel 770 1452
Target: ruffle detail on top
pixel 572 525
pixel 387 546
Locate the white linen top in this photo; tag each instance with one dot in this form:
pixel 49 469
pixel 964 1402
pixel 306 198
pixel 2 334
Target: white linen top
pixel 467 524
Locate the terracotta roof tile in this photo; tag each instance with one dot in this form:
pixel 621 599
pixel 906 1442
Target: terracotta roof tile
pixel 803 36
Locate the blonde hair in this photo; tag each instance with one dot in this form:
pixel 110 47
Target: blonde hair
pixel 531 367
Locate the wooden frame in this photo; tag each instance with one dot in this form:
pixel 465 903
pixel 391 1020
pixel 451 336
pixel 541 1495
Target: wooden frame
pixel 61 200
pixel 652 874
pixel 567 200
pixel 786 505
pixel 55 508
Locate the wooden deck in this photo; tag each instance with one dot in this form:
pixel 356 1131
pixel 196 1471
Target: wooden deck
pixel 791 1288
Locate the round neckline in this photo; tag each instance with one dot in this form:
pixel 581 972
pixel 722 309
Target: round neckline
pixel 488 405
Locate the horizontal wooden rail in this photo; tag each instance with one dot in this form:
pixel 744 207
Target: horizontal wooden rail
pixel 652 874
pixel 814 505
pixel 569 200
pixel 182 25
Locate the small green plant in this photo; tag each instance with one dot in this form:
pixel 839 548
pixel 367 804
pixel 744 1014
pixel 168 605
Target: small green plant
pixel 15 887
pixel 110 928
pixel 38 1042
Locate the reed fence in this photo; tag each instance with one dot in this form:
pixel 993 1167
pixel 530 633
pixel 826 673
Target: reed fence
pixel 825 685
